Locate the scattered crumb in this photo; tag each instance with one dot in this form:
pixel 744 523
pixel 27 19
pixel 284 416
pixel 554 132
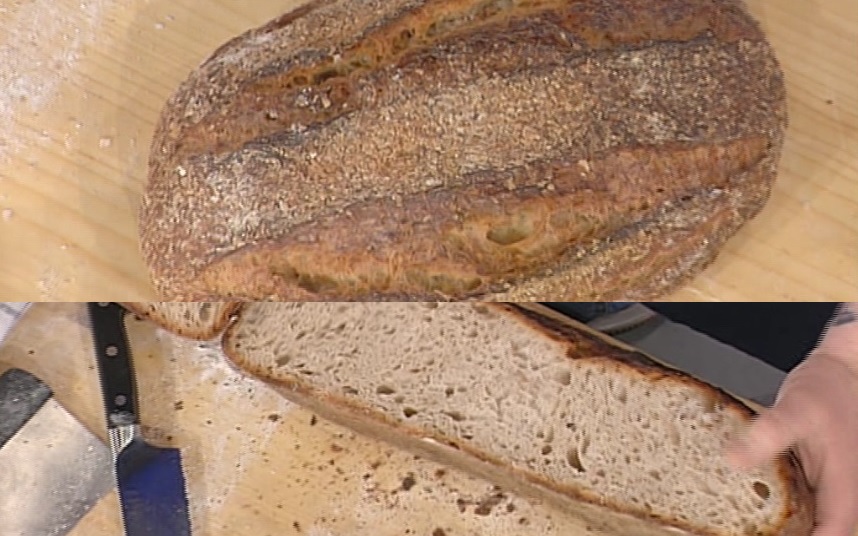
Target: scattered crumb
pixel 408 482
pixel 439 532
pixel 179 404
pixel 159 25
pixel 274 417
pixel 105 142
pixel 7 214
pixel 313 420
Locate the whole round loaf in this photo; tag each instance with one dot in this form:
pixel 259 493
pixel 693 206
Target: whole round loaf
pixel 465 149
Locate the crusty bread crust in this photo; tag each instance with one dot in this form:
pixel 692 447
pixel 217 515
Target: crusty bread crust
pixel 159 314
pixel 465 149
pixel 797 520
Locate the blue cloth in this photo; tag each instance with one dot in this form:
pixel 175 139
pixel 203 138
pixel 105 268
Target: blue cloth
pixel 587 312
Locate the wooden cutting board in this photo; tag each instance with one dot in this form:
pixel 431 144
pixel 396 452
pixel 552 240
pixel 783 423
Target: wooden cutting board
pixel 255 463
pixel 84 83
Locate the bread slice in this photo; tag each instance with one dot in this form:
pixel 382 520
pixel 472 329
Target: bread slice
pixel 194 320
pixel 531 404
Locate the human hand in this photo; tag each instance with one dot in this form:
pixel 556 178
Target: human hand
pixel 817 413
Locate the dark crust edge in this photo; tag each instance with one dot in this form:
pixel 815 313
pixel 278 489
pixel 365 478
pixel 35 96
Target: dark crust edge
pixel 216 328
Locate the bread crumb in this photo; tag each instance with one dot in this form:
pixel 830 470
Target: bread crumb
pixel 408 482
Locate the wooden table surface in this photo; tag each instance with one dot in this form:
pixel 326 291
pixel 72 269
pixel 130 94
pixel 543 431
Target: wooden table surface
pixel 83 83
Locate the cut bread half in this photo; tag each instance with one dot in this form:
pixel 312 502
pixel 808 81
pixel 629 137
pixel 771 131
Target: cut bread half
pixel 535 406
pixel 194 320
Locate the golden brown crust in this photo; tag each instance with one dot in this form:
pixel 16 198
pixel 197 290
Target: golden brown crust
pixel 460 148
pixel 797 520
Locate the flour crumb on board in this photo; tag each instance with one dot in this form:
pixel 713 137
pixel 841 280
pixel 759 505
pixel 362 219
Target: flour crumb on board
pixel 7 214
pixel 225 457
pixel 32 73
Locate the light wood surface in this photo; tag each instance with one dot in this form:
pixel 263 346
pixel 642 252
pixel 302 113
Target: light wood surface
pixel 85 81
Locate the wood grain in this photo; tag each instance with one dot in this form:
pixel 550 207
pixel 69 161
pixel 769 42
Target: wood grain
pixel 81 107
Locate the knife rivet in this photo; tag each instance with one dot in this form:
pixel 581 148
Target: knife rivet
pixel 112 351
pixel 103 304
pixel 120 400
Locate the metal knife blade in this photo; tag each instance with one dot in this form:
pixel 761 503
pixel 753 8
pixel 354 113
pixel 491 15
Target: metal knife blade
pixel 150 479
pixel 54 469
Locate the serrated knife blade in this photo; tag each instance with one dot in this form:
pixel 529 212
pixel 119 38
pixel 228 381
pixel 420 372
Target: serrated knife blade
pixel 150 479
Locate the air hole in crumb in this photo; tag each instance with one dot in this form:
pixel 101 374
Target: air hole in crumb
pixel 762 490
pixel 564 377
pixel 385 390
pixel 546 450
pixel 349 390
pixel 655 475
pixel 399 399
pixel 409 412
pixel 449 391
pixel 622 396
pixel 573 458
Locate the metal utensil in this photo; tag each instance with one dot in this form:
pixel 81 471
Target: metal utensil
pixel 52 469
pixel 150 479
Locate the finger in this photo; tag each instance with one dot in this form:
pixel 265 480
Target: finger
pixel 772 433
pixel 836 503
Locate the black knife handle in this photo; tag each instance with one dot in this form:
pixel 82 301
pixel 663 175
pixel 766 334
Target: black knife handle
pixel 113 356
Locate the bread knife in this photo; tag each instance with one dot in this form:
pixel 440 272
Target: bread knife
pixel 150 479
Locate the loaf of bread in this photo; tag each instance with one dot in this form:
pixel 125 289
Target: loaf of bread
pixel 530 403
pixel 458 149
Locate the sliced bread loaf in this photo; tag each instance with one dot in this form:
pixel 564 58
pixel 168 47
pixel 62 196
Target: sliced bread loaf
pixel 532 404
pixel 194 320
